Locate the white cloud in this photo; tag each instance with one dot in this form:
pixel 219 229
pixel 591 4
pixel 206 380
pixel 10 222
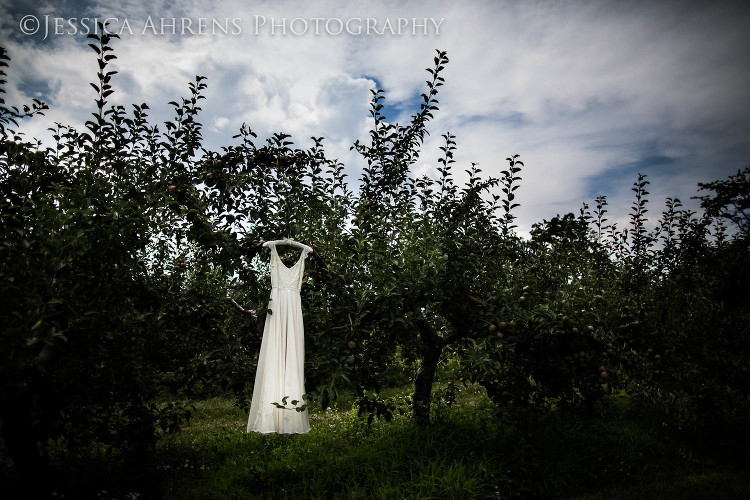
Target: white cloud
pixel 585 91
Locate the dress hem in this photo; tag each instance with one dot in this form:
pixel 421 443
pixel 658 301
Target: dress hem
pixel 276 432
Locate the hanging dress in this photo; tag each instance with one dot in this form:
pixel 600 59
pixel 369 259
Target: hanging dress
pixel 281 361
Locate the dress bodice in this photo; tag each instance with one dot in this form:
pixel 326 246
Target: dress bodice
pixel 287 278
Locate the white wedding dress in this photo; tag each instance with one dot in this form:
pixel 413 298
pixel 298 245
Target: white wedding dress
pixel 280 372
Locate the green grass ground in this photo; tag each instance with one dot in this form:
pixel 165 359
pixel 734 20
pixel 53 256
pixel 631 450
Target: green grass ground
pixel 466 453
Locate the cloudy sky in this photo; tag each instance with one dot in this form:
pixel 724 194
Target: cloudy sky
pixel 589 93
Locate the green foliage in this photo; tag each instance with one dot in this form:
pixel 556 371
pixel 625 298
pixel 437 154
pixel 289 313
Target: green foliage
pixel 371 406
pixel 11 115
pixel 731 199
pixel 94 319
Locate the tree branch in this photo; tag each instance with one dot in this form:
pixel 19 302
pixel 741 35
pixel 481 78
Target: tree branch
pixel 241 309
pixel 427 333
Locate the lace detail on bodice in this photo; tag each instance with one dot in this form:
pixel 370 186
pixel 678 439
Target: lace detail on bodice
pixel 287 278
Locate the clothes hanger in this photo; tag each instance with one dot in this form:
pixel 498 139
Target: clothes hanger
pixel 290 242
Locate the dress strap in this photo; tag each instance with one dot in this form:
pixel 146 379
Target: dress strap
pixel 275 252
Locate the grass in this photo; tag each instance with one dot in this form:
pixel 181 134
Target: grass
pixel 701 486
pixel 470 451
pixel 342 457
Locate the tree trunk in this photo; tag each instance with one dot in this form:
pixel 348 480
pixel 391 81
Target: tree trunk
pixel 432 346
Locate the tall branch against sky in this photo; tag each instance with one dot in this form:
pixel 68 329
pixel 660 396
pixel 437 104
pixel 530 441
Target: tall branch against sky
pixel 590 93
